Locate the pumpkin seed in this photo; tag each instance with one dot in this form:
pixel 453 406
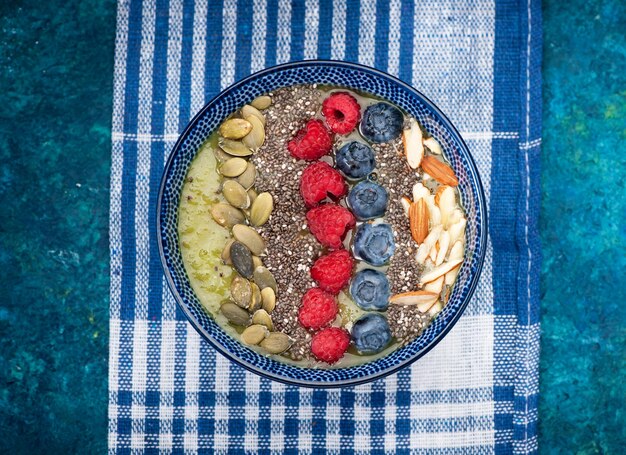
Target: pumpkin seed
pixel 247 178
pixel 262 317
pixel 235 194
pixel 256 261
pixel 254 334
pixel 234 167
pixel 250 238
pixel 264 278
pixel 253 194
pixel 235 128
pixel 235 314
pixel 248 110
pixel 234 148
pixel 269 299
pixel 256 300
pixel 276 343
pixel 256 138
pixel 226 252
pixel 262 102
pixel 241 291
pixel 261 209
pixel 242 259
pixel 226 215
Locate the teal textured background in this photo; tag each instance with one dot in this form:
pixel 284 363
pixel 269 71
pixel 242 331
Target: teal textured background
pixel 56 65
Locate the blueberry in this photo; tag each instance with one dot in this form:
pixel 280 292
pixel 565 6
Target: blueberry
pixel 373 243
pixel 381 122
pixel 355 159
pixel 371 333
pixel 370 290
pixel 368 200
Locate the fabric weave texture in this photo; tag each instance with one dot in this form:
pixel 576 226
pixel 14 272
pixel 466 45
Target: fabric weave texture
pixel 475 392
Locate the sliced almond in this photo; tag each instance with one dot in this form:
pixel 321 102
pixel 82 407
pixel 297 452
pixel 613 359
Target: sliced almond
pixel 435 286
pixel 433 210
pixel 418 217
pixel 444 243
pixel 429 242
pixel 423 300
pixel 413 147
pixel 446 202
pixel 456 252
pixel 457 230
pixel 433 145
pixel 435 309
pixel 454 217
pixel 439 271
pixel 419 192
pixel 433 252
pixel 406 204
pixel 439 170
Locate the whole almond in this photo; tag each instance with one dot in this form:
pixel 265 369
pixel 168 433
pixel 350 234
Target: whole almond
pixel 418 219
pixel 439 170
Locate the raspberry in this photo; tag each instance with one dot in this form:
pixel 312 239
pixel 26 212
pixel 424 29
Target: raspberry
pixel 320 180
pixel 311 142
pixel 329 345
pixel 318 309
pixel 342 112
pixel 332 272
pixel 329 224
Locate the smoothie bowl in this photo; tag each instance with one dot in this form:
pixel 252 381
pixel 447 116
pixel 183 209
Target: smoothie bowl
pixel 321 224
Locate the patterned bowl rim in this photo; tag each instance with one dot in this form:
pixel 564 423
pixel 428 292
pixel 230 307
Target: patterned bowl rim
pixel 394 368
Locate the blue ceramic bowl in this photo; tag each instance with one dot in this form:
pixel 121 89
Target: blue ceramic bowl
pixel 359 78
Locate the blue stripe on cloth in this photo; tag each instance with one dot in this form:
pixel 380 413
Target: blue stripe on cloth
pixel 474 393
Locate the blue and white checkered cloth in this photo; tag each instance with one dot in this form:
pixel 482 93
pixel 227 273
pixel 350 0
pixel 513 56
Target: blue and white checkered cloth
pixel 476 392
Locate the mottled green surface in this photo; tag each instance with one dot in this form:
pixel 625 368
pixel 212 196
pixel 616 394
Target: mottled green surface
pixel 583 228
pixel 56 63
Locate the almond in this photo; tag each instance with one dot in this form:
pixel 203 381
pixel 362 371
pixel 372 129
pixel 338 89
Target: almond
pixel 423 300
pixel 444 243
pixel 413 147
pixel 439 170
pixel 434 286
pixel 439 271
pixel 406 204
pixel 429 243
pixel 433 145
pixel 418 217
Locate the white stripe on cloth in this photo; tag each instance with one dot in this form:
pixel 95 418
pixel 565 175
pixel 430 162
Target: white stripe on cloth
pixel 311 29
pixel 393 66
pixel 283 38
pixel 198 51
pixel 259 27
pixel 338 40
pixel 367 32
pixel 229 42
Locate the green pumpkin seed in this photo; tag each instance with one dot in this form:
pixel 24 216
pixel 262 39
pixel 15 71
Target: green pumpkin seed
pixel 276 343
pixel 235 194
pixel 247 178
pixel 256 261
pixel 235 128
pixel 226 253
pixel 234 148
pixel 253 194
pixel 256 138
pixel 262 102
pixel 250 238
pixel 269 299
pixel 234 167
pixel 226 215
pixel 264 278
pixel 262 317
pixel 242 259
pixel 254 334
pixel 241 291
pixel 261 209
pixel 256 300
pixel 248 110
pixel 235 314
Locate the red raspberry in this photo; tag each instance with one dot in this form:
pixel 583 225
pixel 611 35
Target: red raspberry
pixel 312 142
pixel 329 224
pixel 318 309
pixel 342 112
pixel 320 180
pixel 329 345
pixel 332 272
